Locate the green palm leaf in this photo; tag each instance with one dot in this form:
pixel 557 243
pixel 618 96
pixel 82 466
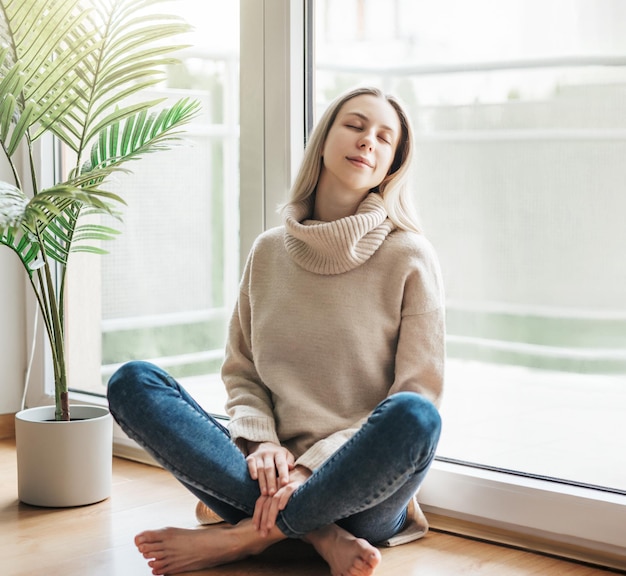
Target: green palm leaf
pixel 139 134
pixel 51 217
pixel 62 234
pixel 65 235
pixel 43 48
pixel 27 249
pixel 21 219
pixel 129 58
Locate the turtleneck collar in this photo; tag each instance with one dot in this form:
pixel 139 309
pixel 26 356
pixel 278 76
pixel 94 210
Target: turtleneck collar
pixel 338 246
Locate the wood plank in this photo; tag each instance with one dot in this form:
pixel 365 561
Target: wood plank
pixel 98 539
pixel 7 426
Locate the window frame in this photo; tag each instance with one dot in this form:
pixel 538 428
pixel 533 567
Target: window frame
pixel 576 522
pixel 272 118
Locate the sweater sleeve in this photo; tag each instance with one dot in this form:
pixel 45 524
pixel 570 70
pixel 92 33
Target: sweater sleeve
pixel 420 355
pixel 249 404
pixel 421 348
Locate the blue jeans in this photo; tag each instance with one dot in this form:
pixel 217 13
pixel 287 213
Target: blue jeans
pixel 364 487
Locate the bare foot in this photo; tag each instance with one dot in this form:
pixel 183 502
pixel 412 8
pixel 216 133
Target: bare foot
pixel 346 555
pixel 175 550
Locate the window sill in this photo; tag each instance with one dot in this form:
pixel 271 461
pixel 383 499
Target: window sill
pixel 578 523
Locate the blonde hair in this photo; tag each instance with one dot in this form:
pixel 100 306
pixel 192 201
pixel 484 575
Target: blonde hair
pixel 394 187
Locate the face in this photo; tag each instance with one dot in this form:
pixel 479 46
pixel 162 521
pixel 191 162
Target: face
pixel 360 145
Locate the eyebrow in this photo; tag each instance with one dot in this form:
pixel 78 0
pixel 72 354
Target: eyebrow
pixel 364 117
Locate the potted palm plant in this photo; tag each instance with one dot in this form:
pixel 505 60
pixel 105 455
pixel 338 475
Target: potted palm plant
pixel 74 70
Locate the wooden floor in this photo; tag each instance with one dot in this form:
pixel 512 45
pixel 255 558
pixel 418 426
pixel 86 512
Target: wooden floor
pixel 97 540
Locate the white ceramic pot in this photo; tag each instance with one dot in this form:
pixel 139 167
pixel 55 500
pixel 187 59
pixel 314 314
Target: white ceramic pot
pixel 61 464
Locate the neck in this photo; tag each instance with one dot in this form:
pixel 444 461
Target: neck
pixel 330 206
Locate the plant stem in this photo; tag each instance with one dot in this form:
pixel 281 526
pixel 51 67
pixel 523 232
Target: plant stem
pixel 33 174
pixel 57 342
pixel 41 301
pixel 16 176
pixel 58 362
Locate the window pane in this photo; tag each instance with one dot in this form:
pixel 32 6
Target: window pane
pixel 169 281
pixel 518 108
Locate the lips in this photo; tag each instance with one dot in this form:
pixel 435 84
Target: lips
pixel 360 160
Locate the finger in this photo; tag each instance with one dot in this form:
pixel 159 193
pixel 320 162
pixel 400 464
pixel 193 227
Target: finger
pixel 268 515
pixel 257 515
pixel 252 469
pixel 282 467
pixel 278 502
pixel 265 522
pixel 262 479
pixel 269 468
pixel 286 495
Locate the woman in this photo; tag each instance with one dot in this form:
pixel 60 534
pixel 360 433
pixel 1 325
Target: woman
pixel 333 367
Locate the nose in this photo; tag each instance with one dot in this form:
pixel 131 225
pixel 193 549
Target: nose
pixel 367 141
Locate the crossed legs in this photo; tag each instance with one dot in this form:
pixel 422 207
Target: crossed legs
pixel 154 410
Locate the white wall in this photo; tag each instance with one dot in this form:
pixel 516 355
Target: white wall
pixel 12 331
pixel 12 315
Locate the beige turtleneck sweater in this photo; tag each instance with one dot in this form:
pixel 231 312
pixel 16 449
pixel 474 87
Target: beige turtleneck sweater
pixel 332 318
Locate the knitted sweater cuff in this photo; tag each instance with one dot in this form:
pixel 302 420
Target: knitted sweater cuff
pixel 254 429
pixel 315 456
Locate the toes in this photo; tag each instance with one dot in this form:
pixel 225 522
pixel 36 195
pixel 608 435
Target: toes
pixel 152 555
pixel 374 558
pixel 360 568
pixel 365 564
pixel 150 545
pixel 157 567
pixel 146 536
pixel 151 550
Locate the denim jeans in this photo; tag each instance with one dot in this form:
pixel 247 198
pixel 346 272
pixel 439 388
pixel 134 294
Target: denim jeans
pixel 364 487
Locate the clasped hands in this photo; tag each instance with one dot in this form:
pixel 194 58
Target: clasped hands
pixel 274 468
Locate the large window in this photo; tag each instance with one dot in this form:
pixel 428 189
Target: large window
pixel 521 136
